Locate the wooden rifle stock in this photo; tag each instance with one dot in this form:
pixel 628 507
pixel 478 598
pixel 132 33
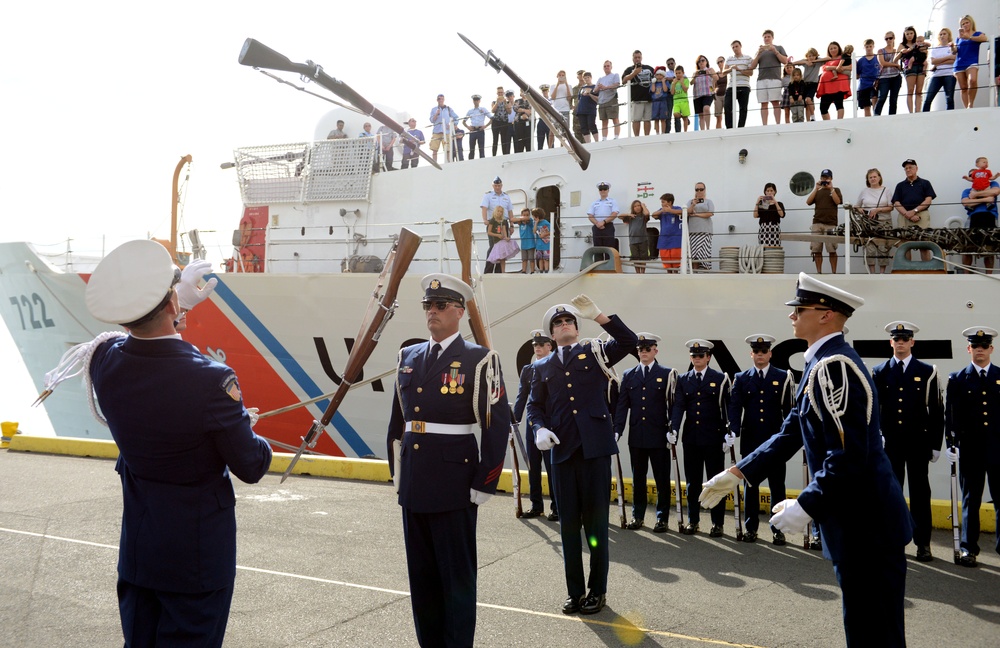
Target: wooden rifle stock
pixel 400 257
pixel 462 231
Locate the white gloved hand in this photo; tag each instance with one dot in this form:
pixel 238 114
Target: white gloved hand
pixel 545 440
pixel 717 488
pixel 730 441
pixel 789 517
pixel 616 437
pixel 189 294
pixel 586 307
pixel 478 497
pixel 253 412
pixel 672 437
pixel 881 436
pixel 935 455
pixel 951 454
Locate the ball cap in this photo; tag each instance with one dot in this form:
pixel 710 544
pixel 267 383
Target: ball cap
pixel 908 161
pixel 699 346
pixel 810 291
pixel 444 287
pixel 826 173
pixel 132 281
pixel 556 311
pixel 980 334
pixel 538 336
pixel 901 329
pixel 648 339
pixel 760 341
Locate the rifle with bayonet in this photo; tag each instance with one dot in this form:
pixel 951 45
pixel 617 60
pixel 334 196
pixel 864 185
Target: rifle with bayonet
pixel 738 494
pixel 620 487
pixel 541 106
pixel 257 55
pixel 680 487
pixel 956 531
pixel 515 477
pixel 398 260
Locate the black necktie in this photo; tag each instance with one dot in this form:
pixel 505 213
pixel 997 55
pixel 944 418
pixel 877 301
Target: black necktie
pixel 645 372
pixel 565 354
pixel 760 374
pixel 435 353
pixel 982 374
pixel 899 368
pixel 699 377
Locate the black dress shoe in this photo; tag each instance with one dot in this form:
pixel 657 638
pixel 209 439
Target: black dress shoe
pixel 924 554
pixel 634 524
pixel 779 538
pixel 660 526
pixel 553 517
pixel 750 536
pixel 716 531
pixel 815 543
pixel 593 604
pixel 532 513
pixel 689 529
pixel 967 558
pixel 571 606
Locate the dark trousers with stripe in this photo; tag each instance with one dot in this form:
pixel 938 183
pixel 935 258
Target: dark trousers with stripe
pixel 583 493
pixel 701 463
pixel 157 619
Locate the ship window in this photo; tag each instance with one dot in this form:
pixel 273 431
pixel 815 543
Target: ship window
pixel 802 183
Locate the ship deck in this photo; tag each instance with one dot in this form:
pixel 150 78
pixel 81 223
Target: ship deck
pixel 321 563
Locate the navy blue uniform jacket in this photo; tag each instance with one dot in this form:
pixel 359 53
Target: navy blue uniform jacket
pixel 974 413
pixel 524 388
pixel 854 495
pixel 911 411
pixel 180 425
pixel 437 470
pixel 757 408
pixel 572 400
pixel 648 402
pixel 705 424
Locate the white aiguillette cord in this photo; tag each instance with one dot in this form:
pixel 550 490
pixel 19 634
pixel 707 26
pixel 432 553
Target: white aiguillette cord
pixel 74 362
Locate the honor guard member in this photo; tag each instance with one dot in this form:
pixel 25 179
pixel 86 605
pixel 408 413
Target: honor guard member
pixel 761 399
pixel 701 403
pixel 541 344
pixel 912 418
pixel 446 389
pixel 972 416
pixel 853 495
pixel 647 390
pixel 496 198
pixel 602 215
pixel 180 426
pixel 569 414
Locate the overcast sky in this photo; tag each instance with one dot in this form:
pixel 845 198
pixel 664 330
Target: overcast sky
pixel 102 99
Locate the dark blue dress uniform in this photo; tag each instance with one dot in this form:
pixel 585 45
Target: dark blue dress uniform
pixel 535 456
pixel 180 425
pixel 437 470
pixel 756 410
pixel 973 420
pixel 644 401
pixel 571 400
pixel 912 418
pixel 702 405
pixel 854 495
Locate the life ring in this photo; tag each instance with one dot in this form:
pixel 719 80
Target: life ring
pixel 955 222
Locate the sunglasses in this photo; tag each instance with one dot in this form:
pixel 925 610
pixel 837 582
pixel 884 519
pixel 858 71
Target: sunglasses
pixel 699 188
pixel 698 355
pixel 890 38
pixel 563 320
pixel 760 351
pixel 977 345
pixel 800 309
pixel 646 348
pixel 437 305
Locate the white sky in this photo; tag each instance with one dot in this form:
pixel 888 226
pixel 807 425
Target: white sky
pixel 101 99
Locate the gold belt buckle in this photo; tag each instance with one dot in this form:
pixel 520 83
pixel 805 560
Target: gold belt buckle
pixel 420 427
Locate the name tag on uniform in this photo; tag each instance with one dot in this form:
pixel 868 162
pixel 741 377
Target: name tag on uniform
pixel 916 379
pixel 711 384
pixel 775 383
pixel 659 380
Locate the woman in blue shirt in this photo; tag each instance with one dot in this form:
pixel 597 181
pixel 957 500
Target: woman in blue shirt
pixel 966 50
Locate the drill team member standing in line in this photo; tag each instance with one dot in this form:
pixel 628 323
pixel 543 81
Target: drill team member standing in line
pixel 541 345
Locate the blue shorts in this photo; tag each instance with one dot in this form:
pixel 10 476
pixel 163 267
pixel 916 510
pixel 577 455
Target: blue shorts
pixel 660 110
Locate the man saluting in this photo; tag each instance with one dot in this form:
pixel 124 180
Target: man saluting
pixel 445 389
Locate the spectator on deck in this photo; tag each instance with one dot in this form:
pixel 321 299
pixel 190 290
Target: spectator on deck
pixel 942 71
pixel 889 77
pixel 700 210
pixel 669 242
pixel 638 239
pixel 607 100
pixel 827 199
pixel 982 213
pixel 966 50
pixel 526 236
pixel 769 212
pixel 874 201
pixel 867 73
pixel 769 60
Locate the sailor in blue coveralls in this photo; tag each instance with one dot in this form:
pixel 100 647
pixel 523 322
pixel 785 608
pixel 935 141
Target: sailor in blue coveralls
pixel 647 390
pixel 761 399
pixel 701 401
pixel 180 425
pixel 853 495
pixel 447 389
pixel 568 411
pixel 541 344
pixel 912 418
pixel 972 417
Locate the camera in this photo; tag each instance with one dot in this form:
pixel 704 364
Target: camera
pixel 701 200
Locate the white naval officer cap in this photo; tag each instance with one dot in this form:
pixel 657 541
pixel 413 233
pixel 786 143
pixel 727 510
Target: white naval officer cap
pixel 810 291
pixel 760 341
pixel 133 281
pixel 980 334
pixel 902 329
pixel 538 336
pixel 647 340
pixel 560 310
pixel 444 287
pixel 699 346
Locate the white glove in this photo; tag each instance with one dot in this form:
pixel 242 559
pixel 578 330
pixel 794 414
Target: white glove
pixel 951 454
pixel 730 442
pixel 252 411
pixel 935 455
pixel 586 307
pixel 478 497
pixel 545 440
pixel 881 436
pixel 672 437
pixel 717 488
pixel 789 517
pixel 188 293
